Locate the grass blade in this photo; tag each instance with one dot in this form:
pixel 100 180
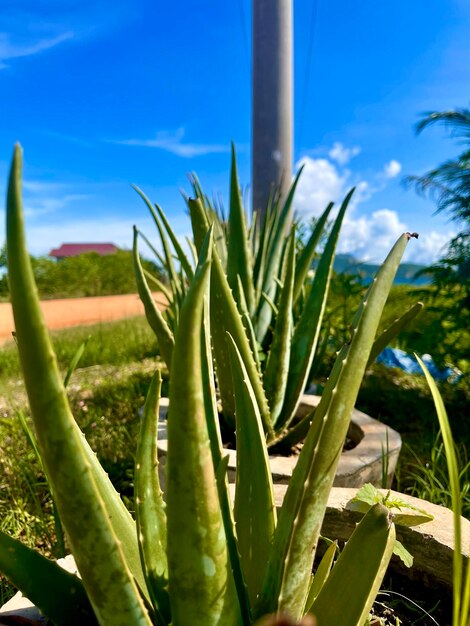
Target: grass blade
pixel 461 584
pixel 75 361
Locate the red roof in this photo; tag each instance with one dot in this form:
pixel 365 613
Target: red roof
pixel 74 249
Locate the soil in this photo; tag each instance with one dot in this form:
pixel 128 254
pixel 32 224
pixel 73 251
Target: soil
pixel 411 603
pixel 79 311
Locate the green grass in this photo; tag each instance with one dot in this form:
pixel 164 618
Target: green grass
pixel 429 479
pixel 113 343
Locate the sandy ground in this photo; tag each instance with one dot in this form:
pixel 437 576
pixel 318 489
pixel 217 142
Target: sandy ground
pixel 79 311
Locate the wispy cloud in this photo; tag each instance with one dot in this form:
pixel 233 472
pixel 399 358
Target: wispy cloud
pixel 79 141
pixel 9 50
pixel 173 142
pixel 341 154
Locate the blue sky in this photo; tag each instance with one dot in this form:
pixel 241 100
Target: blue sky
pixel 102 95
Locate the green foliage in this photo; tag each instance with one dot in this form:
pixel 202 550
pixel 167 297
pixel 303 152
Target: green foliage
pixel 449 185
pixel 204 580
pixel 441 329
pixel 450 181
pixel 428 478
pixel 88 274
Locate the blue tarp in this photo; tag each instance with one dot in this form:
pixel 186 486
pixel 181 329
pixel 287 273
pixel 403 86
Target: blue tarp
pixel 393 357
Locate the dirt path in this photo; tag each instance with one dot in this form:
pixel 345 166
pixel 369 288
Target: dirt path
pixel 79 311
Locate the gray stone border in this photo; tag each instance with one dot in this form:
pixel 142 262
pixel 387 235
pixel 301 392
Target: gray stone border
pixel 362 464
pixel 431 544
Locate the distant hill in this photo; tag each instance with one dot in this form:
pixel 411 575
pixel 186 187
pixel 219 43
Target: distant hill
pixel 347 264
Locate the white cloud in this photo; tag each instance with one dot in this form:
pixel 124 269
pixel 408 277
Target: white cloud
pixel 341 154
pixel 173 142
pixel 368 237
pixel 13 51
pixel 392 169
pixel 430 246
pixel 319 184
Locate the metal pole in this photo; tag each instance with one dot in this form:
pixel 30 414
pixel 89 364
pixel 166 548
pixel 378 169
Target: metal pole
pixel 272 89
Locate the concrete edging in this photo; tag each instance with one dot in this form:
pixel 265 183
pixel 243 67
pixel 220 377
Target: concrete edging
pixel 357 466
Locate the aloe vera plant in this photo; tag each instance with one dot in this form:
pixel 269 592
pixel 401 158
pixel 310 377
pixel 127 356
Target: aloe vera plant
pixel 194 558
pixel 261 296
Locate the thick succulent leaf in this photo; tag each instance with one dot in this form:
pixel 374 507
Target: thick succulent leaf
pixel 150 507
pixel 156 253
pixel 304 262
pixel 394 330
pixel 286 584
pixel 260 255
pixel 169 265
pixel 154 317
pixel 307 331
pixel 159 285
pixel 225 317
pixel 83 512
pixel 322 573
pixel 58 594
pixel 247 323
pixel 212 217
pixel 292 436
pixel 277 366
pixel 200 577
pixel 220 462
pixel 255 513
pixel 239 262
pixel 351 588
pixel 183 259
pixel 273 260
pixel 272 263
